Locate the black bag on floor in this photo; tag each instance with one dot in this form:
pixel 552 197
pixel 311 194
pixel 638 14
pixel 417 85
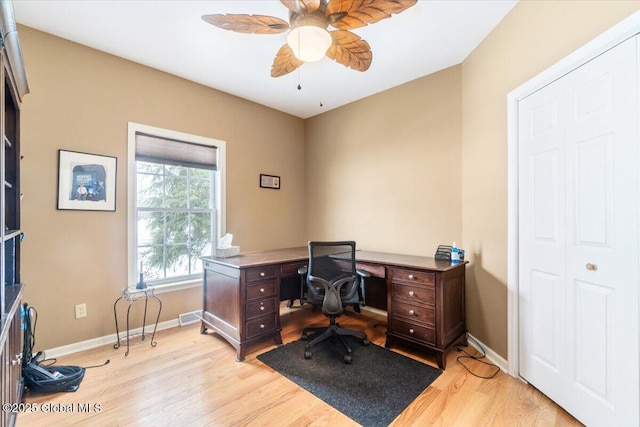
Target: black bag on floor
pixel 52 379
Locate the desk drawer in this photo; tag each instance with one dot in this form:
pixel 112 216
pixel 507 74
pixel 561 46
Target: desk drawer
pixel 416 294
pixel 412 276
pixel 424 334
pixel 261 307
pixel 373 269
pixel 261 290
pixel 291 270
pixel 414 312
pixel 260 273
pixel 261 325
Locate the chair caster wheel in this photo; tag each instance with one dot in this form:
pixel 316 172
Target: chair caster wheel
pixel 304 337
pixel 347 359
pixel 307 355
pixel 365 342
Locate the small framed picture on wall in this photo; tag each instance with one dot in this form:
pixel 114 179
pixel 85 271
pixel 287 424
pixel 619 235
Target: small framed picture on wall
pixel 270 181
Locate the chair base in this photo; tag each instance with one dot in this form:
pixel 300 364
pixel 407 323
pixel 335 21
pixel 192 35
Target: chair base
pixel 333 331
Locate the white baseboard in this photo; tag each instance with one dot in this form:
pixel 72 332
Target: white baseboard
pixel 494 357
pixel 100 341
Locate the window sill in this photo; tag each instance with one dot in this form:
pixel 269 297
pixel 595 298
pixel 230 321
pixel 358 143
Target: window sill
pixel 177 286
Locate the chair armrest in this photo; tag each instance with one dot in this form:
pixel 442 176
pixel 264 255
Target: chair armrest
pixel 361 273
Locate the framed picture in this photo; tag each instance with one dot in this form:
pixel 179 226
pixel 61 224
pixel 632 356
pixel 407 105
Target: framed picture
pixel 269 181
pixel 86 181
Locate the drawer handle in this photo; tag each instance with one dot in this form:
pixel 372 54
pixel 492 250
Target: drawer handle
pixel 262 274
pixel 261 325
pixel 262 290
pixel 411 277
pixel 591 267
pixel 411 312
pixel 410 293
pixel 262 308
pixel 411 331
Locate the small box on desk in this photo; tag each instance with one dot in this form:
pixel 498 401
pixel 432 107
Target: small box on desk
pixel 227 252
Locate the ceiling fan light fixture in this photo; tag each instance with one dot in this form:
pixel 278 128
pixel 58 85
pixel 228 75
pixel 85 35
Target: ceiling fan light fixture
pixel 308 39
pixel 309 43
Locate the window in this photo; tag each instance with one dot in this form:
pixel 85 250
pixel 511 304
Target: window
pixel 176 211
pixel 174 221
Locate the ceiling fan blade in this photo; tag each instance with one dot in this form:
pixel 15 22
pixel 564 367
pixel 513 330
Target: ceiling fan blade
pixel 248 24
pixel 350 50
pixel 284 62
pixel 350 14
pixel 302 6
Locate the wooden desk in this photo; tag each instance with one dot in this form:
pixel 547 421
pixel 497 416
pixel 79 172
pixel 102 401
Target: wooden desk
pixel 424 297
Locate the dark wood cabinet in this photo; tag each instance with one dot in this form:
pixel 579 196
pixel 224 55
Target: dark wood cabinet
pixel 426 308
pixel 241 304
pixel 13 88
pixel 11 358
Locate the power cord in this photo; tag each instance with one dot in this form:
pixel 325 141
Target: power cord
pixel 29 323
pixel 477 358
pixel 53 360
pixel 106 362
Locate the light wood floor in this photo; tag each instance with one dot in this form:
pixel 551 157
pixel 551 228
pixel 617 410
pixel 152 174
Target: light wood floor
pixel 191 379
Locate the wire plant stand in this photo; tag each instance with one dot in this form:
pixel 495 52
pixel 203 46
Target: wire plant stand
pixel 131 295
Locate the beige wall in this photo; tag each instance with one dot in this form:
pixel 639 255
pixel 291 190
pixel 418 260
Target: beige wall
pixel 81 100
pixel 385 171
pixel 534 36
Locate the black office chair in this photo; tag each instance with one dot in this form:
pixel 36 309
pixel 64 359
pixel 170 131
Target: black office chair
pixel 333 282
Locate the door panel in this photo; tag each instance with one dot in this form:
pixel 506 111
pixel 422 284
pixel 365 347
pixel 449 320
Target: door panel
pixel 542 240
pixel 594 324
pixel 594 98
pixel 544 306
pixel 594 192
pixel 544 169
pixel 578 241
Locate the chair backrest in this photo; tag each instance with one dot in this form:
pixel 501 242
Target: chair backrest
pixel 330 260
pixel 332 266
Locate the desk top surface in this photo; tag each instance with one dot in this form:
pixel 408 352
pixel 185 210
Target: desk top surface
pixel 287 255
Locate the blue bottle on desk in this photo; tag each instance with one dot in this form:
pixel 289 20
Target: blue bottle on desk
pixel 455 255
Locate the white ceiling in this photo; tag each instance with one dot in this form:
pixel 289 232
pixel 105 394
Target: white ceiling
pixel 170 35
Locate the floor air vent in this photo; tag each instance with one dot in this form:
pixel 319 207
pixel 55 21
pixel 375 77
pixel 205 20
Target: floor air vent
pixel 189 318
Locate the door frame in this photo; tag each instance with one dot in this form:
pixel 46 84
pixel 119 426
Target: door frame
pixel 622 31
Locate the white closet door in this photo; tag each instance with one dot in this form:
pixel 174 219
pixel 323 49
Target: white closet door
pixel 578 239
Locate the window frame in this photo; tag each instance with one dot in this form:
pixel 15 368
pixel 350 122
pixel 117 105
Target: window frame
pixel 132 191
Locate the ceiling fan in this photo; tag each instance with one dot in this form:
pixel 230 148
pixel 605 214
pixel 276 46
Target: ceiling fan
pixel 308 39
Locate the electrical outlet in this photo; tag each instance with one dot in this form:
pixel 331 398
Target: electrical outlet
pixel 81 310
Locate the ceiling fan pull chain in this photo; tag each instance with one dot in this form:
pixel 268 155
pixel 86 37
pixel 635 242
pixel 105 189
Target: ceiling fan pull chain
pixel 298 55
pixel 299 85
pixel 299 44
